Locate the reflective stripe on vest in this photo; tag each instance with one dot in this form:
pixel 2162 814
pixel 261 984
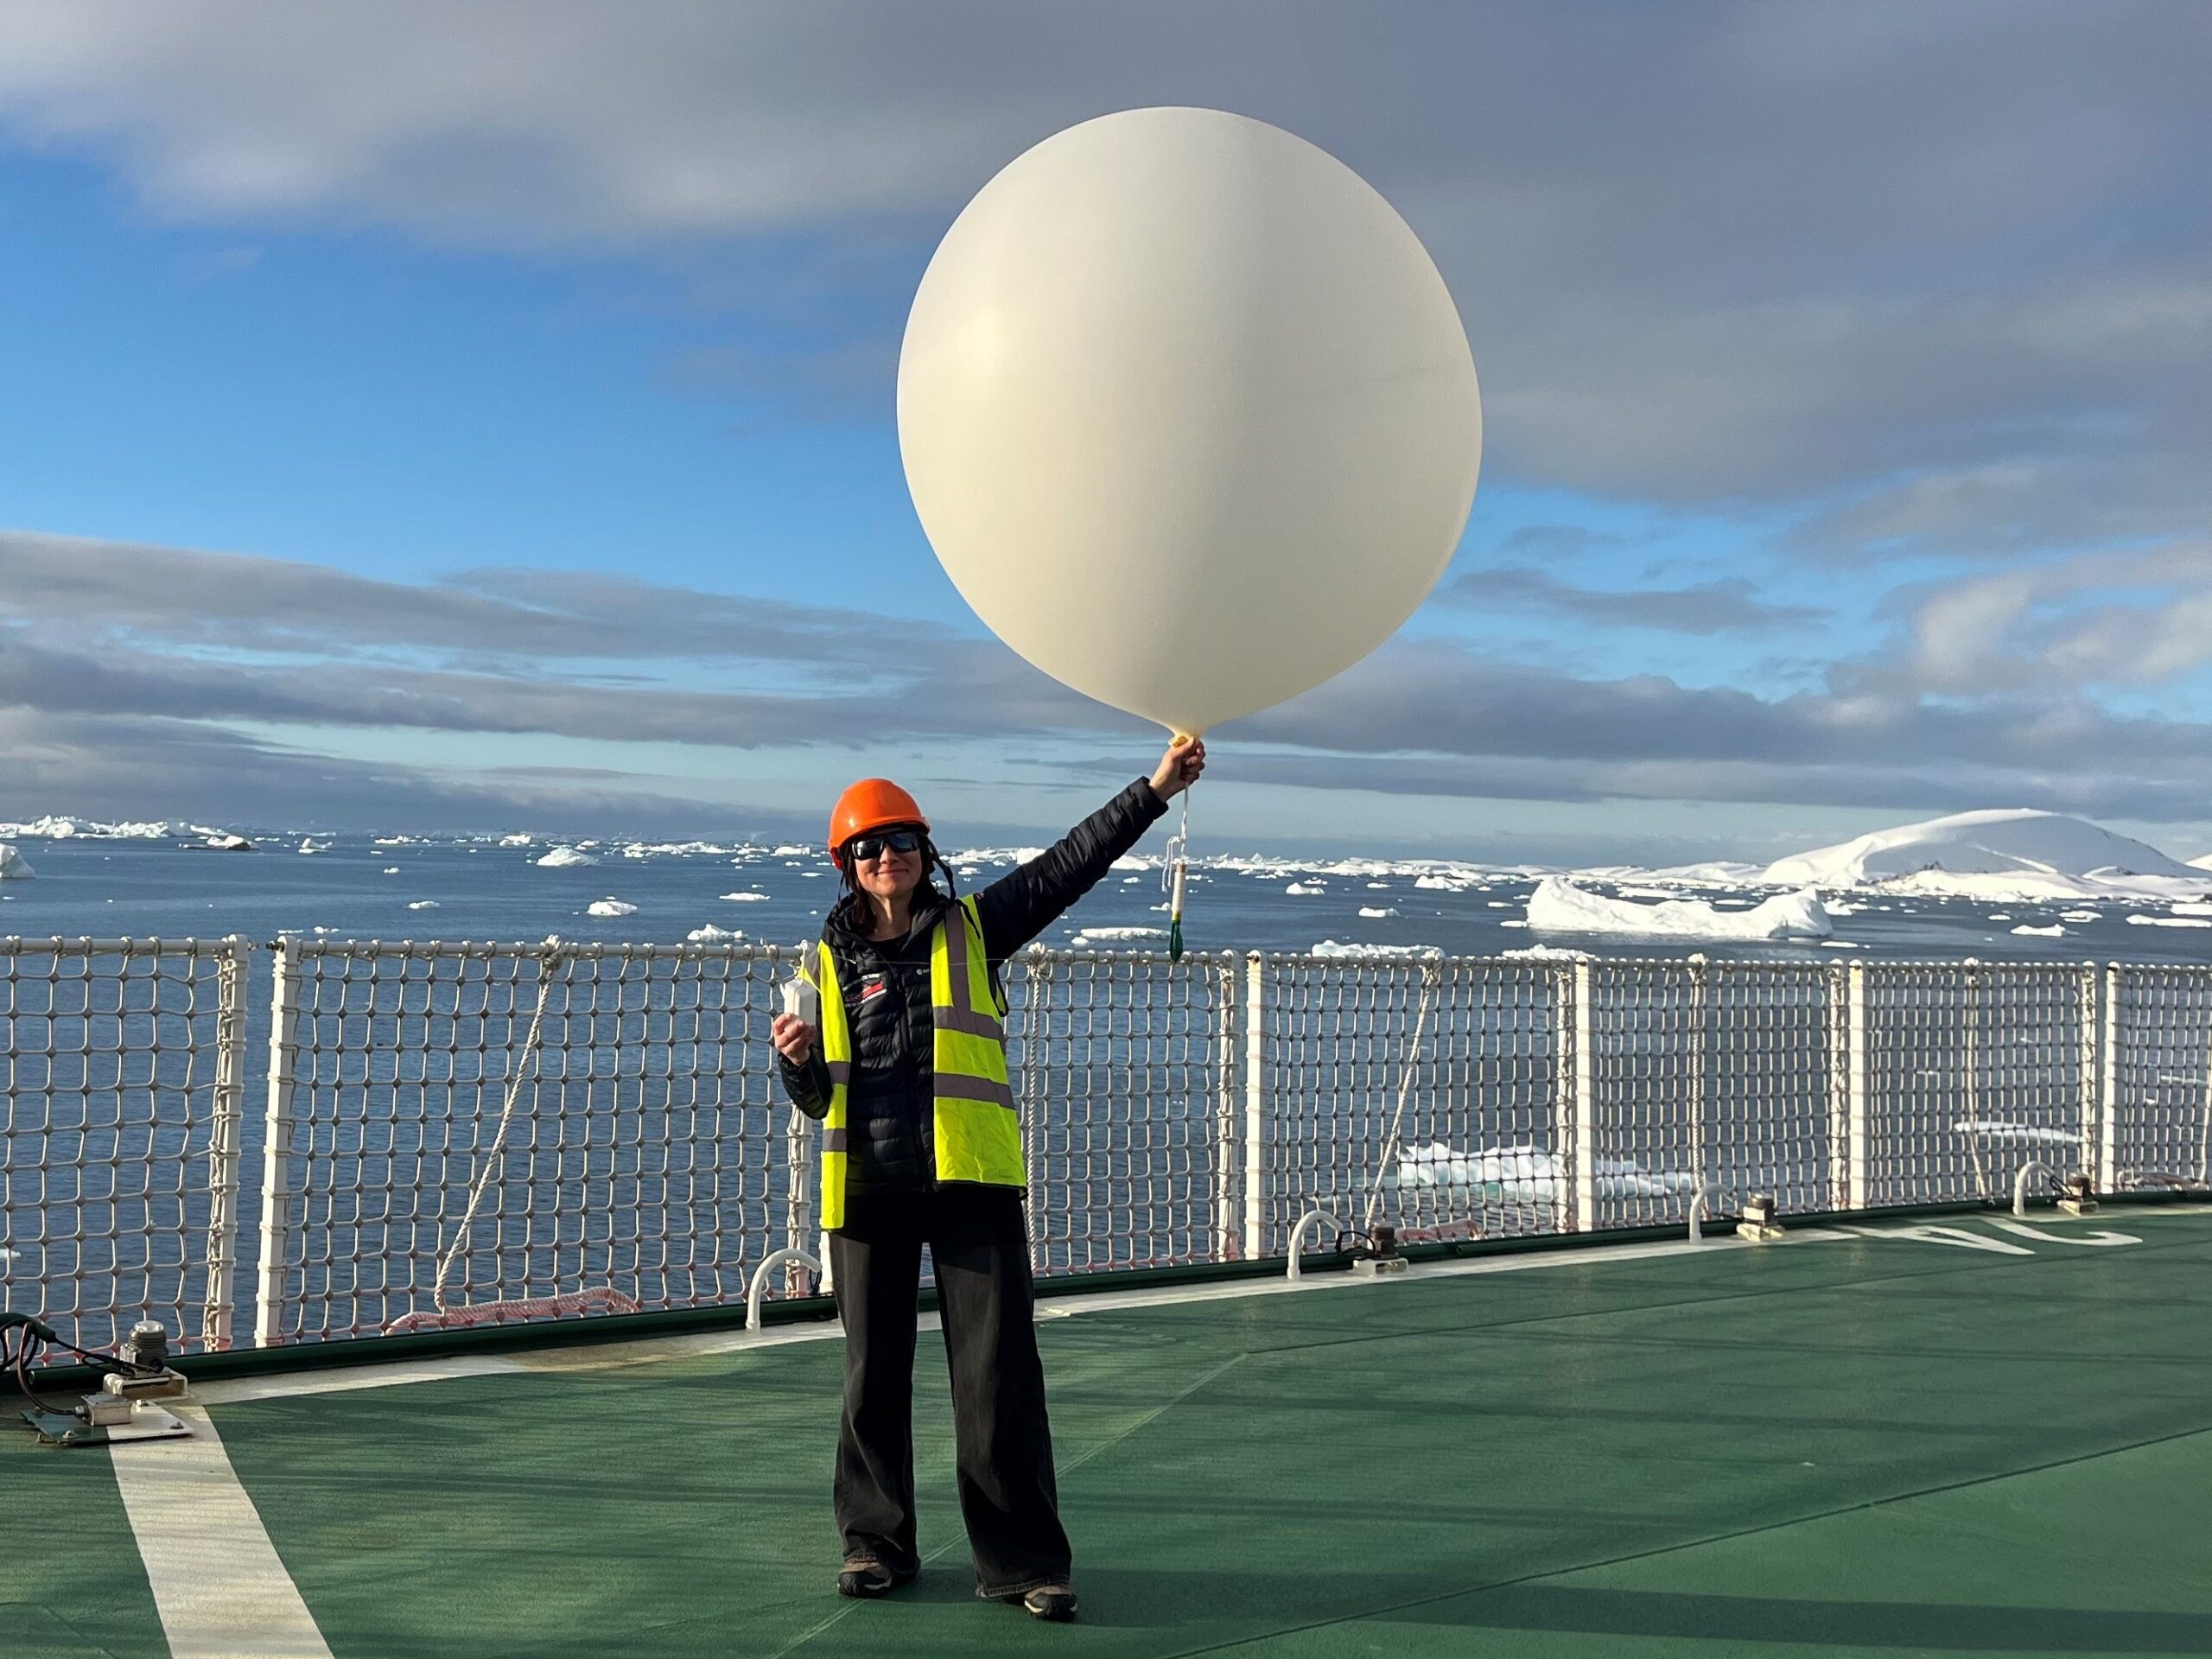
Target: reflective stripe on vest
pixel 976 1129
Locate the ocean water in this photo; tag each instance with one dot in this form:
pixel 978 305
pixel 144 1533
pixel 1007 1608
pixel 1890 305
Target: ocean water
pixel 477 890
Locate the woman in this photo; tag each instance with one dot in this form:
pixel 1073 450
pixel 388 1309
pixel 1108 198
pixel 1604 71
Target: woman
pixel 922 1145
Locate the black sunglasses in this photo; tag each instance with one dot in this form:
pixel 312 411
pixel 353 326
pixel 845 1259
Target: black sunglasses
pixel 864 848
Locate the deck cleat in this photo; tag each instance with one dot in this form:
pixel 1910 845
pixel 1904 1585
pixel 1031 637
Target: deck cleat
pixel 1758 1221
pixel 125 1408
pixel 1378 1256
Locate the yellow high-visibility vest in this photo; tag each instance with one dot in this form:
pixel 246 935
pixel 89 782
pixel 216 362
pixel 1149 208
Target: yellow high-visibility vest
pixel 977 1130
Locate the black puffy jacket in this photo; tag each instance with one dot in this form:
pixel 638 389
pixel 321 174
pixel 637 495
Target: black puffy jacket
pixel 889 1128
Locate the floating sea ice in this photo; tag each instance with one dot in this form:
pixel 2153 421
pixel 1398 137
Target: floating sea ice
pixel 712 934
pixel 1547 953
pixel 2192 907
pixel 564 858
pixel 1378 884
pixel 391 869
pixel 1131 881
pixel 609 907
pixel 418 904
pixel 516 840
pixel 1496 904
pixel 1838 945
pixel 2078 915
pixel 1444 883
pixel 1515 923
pixel 747 898
pixel 1304 888
pixel 13 866
pixel 1373 915
pixel 2002 916
pixel 2168 921
pixel 2054 932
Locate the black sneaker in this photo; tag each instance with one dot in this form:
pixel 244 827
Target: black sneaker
pixel 866 1577
pixel 1052 1601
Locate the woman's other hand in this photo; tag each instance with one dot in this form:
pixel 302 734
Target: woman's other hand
pixel 793 1038
pixel 1179 767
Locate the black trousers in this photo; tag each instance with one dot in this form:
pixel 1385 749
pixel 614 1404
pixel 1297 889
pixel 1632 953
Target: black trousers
pixel 1007 1495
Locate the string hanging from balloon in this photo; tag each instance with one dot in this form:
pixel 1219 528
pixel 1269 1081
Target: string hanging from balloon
pixel 1174 866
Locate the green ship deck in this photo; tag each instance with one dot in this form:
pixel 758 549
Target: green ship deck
pixel 1969 1436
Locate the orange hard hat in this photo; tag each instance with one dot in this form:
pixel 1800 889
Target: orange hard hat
pixel 872 804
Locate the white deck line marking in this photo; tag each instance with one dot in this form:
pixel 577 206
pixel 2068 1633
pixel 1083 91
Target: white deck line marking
pixel 592 1357
pixel 218 1583
pixel 232 1390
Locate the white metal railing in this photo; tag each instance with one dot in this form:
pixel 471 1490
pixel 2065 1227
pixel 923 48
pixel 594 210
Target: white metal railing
pixel 453 1134
pixel 122 1071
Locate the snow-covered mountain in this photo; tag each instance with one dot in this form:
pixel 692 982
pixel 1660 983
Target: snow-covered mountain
pixel 2001 853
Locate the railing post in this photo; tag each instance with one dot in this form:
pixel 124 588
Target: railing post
pixel 798 1218
pixel 1579 1099
pixel 1700 1086
pixel 223 1143
pixel 1836 987
pixel 1256 1107
pixel 2109 1112
pixel 1858 1138
pixel 275 1157
pixel 1970 1069
pixel 2090 1089
pixel 1228 1118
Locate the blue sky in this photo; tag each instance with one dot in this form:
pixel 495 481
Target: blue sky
pixel 1846 419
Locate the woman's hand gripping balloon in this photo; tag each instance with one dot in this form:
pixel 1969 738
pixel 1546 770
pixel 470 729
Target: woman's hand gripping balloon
pixel 1179 767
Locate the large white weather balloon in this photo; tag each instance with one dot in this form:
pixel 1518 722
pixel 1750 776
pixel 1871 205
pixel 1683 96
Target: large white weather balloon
pixel 1187 413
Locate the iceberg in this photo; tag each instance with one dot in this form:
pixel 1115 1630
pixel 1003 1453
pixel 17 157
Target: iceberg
pixel 1559 907
pixel 1529 1175
pixel 609 907
pixel 564 858
pixel 423 904
pixel 52 827
pixel 2011 853
pixel 747 898
pixel 1415 952
pixel 518 839
pixel 1096 935
pixel 13 866
pixel 1375 914
pixel 711 934
pixel 2027 1134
